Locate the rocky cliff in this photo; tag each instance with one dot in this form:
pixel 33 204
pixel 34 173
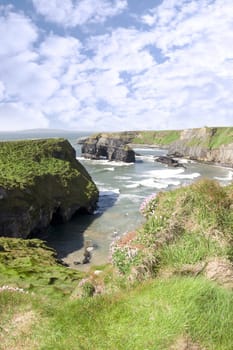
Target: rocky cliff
pixel 205 144
pixel 208 144
pixel 41 182
pixel 108 147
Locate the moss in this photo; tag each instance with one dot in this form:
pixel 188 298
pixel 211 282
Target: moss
pixel 38 176
pixel 32 265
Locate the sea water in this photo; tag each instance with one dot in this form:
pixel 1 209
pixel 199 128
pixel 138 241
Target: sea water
pixel 122 188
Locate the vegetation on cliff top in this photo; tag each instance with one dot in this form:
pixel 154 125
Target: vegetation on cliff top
pixel 184 228
pixel 22 162
pixel 214 137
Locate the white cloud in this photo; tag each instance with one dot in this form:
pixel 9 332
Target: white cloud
pixel 17 116
pixel 17 33
pixel 116 80
pixel 70 13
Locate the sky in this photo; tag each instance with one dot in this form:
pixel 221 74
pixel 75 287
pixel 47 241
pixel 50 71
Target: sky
pixel 113 65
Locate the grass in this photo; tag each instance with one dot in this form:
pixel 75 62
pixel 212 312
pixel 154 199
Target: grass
pixel 222 136
pixel 187 226
pixel 156 137
pixel 151 316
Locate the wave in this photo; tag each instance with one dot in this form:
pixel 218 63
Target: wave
pixel 148 158
pixel 103 191
pixel 135 198
pixel 172 173
pixel 109 169
pixel 188 176
pixel 103 162
pixel 117 177
pixel 229 177
pixel 164 173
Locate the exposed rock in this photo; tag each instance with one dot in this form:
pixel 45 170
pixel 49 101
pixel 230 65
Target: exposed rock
pixel 216 269
pixel 108 147
pixel 169 161
pixel 196 144
pixel 221 271
pixel 49 197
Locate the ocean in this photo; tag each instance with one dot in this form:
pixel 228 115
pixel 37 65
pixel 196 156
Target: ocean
pixel 122 188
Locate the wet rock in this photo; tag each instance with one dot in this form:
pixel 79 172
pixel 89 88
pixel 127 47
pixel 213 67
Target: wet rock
pixel 169 161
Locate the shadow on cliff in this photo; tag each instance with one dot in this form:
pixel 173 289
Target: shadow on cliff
pixel 69 237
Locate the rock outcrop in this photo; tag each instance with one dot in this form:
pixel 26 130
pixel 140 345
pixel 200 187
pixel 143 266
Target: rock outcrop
pixel 168 161
pixel 207 144
pixel 107 147
pixel 203 144
pixel 41 182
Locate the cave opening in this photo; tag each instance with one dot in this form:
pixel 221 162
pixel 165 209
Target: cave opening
pixel 57 217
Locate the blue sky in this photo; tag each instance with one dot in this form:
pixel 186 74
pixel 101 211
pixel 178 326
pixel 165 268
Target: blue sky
pixel 102 65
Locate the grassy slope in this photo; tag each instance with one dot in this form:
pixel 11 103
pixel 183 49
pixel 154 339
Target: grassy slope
pixel 148 315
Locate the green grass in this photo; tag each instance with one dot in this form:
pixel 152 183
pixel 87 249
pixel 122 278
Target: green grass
pixel 152 316
pixel 188 225
pixel 156 137
pixel 192 224
pixel 222 136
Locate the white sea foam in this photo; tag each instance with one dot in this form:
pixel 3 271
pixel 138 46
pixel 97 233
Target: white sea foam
pixel 132 197
pixel 122 177
pixel 108 191
pixel 103 162
pixel 109 169
pixel 133 185
pixel 149 182
pixel 148 158
pixel 165 173
pixel 188 176
pixel 229 177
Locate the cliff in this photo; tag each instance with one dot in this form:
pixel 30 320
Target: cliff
pixel 41 182
pixel 108 146
pixel 206 144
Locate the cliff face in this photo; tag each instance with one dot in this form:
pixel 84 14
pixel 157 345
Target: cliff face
pixel 202 144
pixel 108 147
pixel 205 144
pixel 41 182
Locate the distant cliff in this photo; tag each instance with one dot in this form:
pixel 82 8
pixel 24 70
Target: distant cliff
pixel 202 144
pixel 41 182
pixel 205 144
pixel 108 146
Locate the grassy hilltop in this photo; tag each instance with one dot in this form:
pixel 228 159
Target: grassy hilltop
pixel 40 179
pixel 170 285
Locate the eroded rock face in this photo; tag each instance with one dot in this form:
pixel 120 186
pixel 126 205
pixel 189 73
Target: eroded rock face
pixel 49 197
pixel 196 144
pixel 110 148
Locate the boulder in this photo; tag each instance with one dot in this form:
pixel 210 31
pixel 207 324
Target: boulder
pixel 169 161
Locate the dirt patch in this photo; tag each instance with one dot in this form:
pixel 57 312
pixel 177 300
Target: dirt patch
pixel 221 271
pixel 185 343
pixel 216 269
